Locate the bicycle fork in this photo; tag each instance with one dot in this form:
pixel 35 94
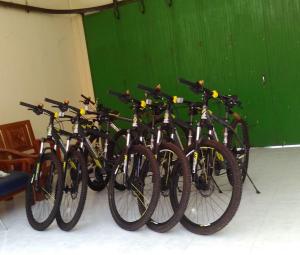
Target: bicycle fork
pixel 195 154
pixel 35 176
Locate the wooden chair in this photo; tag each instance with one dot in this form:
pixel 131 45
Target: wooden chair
pixel 18 151
pixel 19 136
pixel 17 142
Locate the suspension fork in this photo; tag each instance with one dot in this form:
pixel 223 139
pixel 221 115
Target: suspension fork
pixel 106 140
pixel 125 160
pixel 212 133
pixel 66 155
pixel 197 144
pixel 200 124
pixel 36 174
pixel 190 135
pixel 225 141
pixel 190 132
pixel 157 142
pixel 152 144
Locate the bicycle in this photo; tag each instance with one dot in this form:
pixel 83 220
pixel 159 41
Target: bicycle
pixel 44 190
pixel 136 172
pixel 75 177
pixel 216 179
pixel 172 162
pixel 235 134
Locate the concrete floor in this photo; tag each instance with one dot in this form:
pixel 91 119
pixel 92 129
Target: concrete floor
pixel 268 223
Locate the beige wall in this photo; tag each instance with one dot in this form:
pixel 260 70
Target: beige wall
pixel 40 55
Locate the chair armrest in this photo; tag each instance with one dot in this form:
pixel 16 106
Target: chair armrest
pixel 23 164
pixel 18 154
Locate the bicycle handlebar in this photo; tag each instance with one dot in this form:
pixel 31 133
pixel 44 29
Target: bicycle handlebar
pixel 154 92
pixel 28 105
pixel 157 93
pixel 38 110
pixel 62 106
pixel 87 100
pixel 198 87
pixel 125 97
pixel 191 83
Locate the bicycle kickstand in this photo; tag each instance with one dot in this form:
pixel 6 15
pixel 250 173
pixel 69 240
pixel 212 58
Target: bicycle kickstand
pixel 254 186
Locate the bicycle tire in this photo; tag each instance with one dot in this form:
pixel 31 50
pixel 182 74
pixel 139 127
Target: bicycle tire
pixel 236 185
pixel 82 177
pixel 182 169
pixel 32 197
pixel 155 178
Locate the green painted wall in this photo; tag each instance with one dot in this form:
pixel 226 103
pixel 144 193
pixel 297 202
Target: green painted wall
pixel 230 44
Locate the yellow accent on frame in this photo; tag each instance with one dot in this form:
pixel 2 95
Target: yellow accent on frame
pixel 215 94
pixel 143 104
pixel 220 157
pixel 195 155
pixel 174 99
pixel 82 111
pixel 98 163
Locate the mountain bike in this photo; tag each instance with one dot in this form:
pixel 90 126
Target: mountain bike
pixel 75 177
pixel 44 190
pixel 235 134
pixel 136 171
pixel 172 162
pixel 216 179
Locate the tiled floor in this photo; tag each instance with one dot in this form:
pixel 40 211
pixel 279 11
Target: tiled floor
pixel 268 223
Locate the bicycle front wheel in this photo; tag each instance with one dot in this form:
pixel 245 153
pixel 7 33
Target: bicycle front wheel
pixel 44 192
pixel 74 191
pixel 132 206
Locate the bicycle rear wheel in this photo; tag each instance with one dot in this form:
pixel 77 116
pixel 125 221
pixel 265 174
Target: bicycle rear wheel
pixel 74 191
pixel 214 199
pixel 44 192
pixel 132 206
